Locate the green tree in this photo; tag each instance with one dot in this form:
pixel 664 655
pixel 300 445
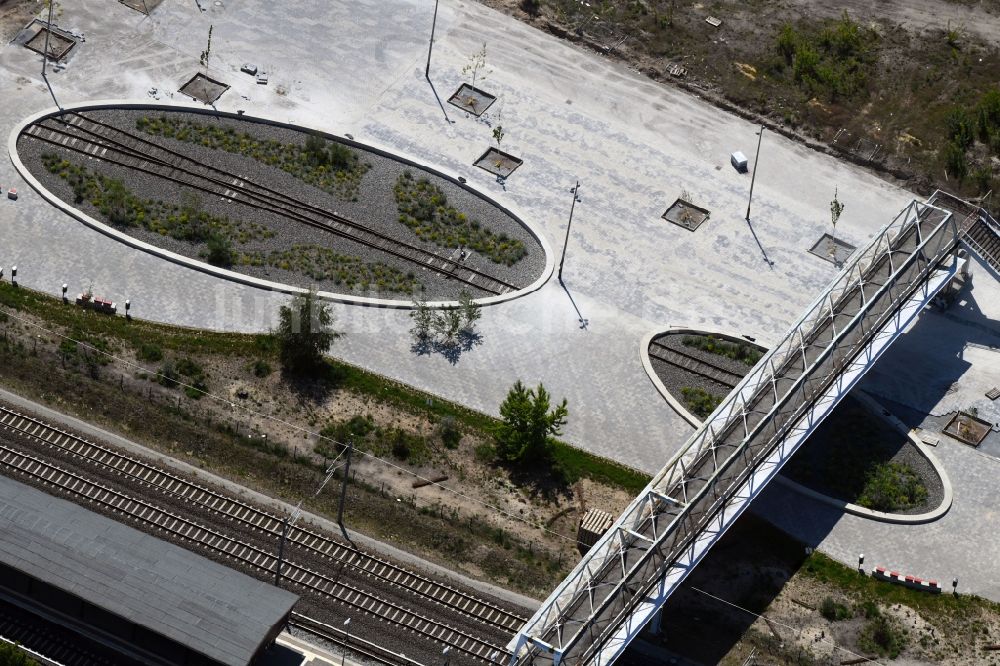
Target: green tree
pixel 988 114
pixel 423 320
pixel 787 41
pixel 11 655
pixel 471 312
pixel 305 332
pixel 219 251
pixel 477 65
pixel 528 425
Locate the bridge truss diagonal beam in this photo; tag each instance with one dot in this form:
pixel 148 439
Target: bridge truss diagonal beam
pixel 669 526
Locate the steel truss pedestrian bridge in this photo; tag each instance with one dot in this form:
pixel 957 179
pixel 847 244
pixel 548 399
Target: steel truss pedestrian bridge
pixel 626 577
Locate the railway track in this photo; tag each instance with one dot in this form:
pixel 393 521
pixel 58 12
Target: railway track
pixel 232 509
pixel 98 140
pixel 26 631
pixel 341 638
pixel 695 365
pixel 178 527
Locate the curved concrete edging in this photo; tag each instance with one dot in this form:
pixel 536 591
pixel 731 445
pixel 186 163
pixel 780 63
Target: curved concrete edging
pixel 871 403
pixel 647 365
pixel 234 276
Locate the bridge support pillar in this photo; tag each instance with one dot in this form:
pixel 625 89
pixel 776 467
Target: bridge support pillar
pixel 656 623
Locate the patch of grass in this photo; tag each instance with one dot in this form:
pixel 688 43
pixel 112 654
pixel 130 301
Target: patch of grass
pixel 891 487
pixel 149 353
pixel 261 368
pixel 699 401
pixel 322 263
pixel 133 333
pixel 424 208
pixel 875 592
pixel 575 464
pixel 884 636
pixel 835 61
pixel 713 345
pixel 330 166
pixel 123 208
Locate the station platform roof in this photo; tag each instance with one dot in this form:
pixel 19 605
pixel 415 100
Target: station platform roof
pixel 189 599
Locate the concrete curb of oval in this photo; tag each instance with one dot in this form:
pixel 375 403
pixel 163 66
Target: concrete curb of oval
pixel 240 278
pixel 871 403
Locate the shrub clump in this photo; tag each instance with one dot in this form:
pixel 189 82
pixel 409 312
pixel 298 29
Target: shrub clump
pixel 699 401
pixel 424 208
pixel 882 635
pixel 892 486
pixel 834 611
pixel 836 60
pixel 713 345
pixel 122 208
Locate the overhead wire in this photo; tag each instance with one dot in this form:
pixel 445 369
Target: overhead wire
pixel 333 466
pixel 781 624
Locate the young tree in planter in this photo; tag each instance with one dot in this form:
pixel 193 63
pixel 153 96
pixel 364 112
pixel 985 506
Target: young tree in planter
pixel 305 332
pixel 836 208
pixel 528 425
pixel 477 65
pixel 498 134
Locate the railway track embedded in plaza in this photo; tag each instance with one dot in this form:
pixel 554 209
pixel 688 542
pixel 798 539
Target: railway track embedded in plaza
pixel 230 509
pixel 102 141
pixel 694 364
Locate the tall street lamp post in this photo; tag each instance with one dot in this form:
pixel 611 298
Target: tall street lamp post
pixel 753 176
pixel 576 197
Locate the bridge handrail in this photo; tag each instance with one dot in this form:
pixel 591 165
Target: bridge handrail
pixel 850 277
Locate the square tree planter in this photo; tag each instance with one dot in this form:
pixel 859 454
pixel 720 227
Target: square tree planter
pixel 204 89
pixel 824 249
pixel 968 428
pixel 472 100
pixel 498 163
pixel 685 214
pixel 59 44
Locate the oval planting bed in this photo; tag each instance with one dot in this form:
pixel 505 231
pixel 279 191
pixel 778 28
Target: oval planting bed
pixel 857 459
pixel 278 206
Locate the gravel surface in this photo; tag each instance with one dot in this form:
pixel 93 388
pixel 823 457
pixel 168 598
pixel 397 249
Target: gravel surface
pixel 375 207
pixel 674 378
pixel 321 608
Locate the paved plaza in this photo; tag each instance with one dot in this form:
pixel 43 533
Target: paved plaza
pixel 358 68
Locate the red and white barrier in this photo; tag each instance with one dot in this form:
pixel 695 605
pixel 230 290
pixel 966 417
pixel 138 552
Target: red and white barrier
pixel 908 581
